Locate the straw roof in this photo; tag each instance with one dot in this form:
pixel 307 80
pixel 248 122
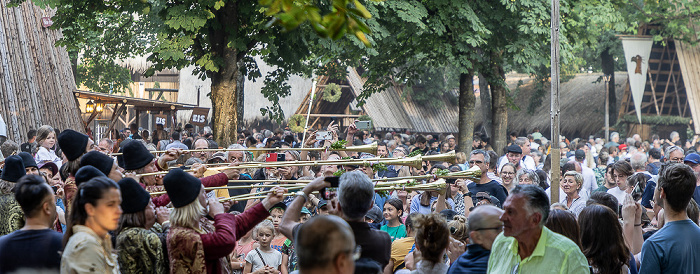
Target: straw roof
pixel 581 100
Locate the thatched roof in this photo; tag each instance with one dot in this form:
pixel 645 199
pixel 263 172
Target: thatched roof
pixel 581 100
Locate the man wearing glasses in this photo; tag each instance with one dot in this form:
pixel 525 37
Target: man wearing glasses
pixel 481 159
pixel 526 245
pixel 484 226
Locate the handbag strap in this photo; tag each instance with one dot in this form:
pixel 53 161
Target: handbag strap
pixel 261 257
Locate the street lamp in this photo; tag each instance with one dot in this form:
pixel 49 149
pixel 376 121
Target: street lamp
pixel 99 106
pixel 89 107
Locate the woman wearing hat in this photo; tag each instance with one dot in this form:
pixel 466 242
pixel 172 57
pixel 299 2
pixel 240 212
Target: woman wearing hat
pixel 139 249
pixel 195 245
pixel 11 215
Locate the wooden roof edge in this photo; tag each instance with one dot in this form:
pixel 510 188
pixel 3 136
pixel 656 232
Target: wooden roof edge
pixel 134 101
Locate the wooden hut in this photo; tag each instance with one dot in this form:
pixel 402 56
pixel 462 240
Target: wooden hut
pixel 671 100
pixel 388 110
pixel 36 80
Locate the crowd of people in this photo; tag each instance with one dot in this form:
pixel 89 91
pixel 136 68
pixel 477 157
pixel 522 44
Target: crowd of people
pixel 174 201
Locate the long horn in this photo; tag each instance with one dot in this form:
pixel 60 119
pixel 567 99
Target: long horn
pixel 444 157
pixel 371 148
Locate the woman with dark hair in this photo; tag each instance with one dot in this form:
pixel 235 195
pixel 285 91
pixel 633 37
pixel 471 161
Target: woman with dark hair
pixel 564 223
pixel 621 170
pixel 96 210
pixel 602 241
pixel 393 210
pixel 140 250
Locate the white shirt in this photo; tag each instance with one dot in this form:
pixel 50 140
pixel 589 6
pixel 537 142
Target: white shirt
pixel 526 162
pixel 44 155
pixel 618 193
pixel 589 182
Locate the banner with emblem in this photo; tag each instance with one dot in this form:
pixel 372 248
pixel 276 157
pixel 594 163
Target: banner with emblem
pixel 637 50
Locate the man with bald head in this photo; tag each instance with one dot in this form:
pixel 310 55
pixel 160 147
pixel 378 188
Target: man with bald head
pixel 484 226
pixel 325 244
pixel 201 143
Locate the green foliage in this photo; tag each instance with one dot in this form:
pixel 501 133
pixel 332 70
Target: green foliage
pixel 340 144
pixel 658 120
pixel 332 93
pixel 343 16
pixel 414 153
pixel 339 172
pixel 102 75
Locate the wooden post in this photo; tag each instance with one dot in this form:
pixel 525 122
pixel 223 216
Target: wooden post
pixel 554 111
pixel 311 100
pixel 606 79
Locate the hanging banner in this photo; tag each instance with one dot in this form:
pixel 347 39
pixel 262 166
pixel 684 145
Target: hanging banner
pixel 199 116
pixel 637 51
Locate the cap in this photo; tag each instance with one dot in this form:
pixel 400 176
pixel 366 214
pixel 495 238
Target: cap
pixel 219 155
pixel 692 158
pixel 280 205
pixel 305 210
pixel 321 203
pixel 514 149
pixel 580 154
pixel 622 147
pixel 375 214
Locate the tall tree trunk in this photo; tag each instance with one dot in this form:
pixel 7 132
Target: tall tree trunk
pixel 466 111
pixel 608 65
pixel 499 104
pixel 223 98
pixel 485 97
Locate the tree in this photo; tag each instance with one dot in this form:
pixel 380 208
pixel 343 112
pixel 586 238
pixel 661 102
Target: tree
pixel 218 37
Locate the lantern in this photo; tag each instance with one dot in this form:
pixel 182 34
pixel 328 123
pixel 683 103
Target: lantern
pixel 89 107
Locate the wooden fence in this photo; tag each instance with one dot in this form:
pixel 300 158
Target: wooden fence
pixel 36 80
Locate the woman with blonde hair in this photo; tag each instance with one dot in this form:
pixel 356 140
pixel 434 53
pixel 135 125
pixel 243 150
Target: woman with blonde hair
pixel 195 245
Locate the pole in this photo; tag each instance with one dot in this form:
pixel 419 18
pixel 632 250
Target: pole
pixel 554 111
pixel 607 106
pixel 311 100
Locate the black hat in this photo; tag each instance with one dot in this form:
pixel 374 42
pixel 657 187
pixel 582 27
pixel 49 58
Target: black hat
pixel 182 187
pixel 86 173
pixel 27 159
pixel 134 197
pixel 136 156
pixel 72 143
pixel 99 160
pixel 14 169
pixel 514 149
pixel 580 155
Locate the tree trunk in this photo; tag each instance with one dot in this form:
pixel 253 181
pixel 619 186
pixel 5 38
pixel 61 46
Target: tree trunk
pixel 485 97
pixel 499 103
pixel 466 112
pixel 608 65
pixel 223 98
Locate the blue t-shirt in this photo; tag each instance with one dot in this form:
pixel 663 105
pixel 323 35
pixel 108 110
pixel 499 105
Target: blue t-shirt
pixel 675 248
pixel 33 249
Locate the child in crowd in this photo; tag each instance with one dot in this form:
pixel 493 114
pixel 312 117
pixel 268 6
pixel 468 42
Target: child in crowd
pixel 276 213
pixel 289 255
pixel 46 138
pixel 393 210
pixel 264 259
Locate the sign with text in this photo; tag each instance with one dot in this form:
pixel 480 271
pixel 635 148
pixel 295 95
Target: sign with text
pixel 160 119
pixel 199 117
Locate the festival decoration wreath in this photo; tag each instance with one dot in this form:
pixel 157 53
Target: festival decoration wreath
pixel 296 123
pixel 332 93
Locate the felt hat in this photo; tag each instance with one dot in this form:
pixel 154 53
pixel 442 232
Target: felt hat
pixel 14 169
pixel 27 159
pixel 99 160
pixel 86 173
pixel 50 165
pixel 134 197
pixel 182 187
pixel 514 149
pixel 72 143
pixel 136 156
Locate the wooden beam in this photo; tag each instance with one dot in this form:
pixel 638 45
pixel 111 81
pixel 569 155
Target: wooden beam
pixel 653 93
pixel 339 115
